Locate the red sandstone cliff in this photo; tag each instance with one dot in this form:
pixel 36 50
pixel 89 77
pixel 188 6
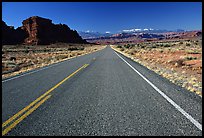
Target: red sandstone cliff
pixel 37 30
pixel 43 31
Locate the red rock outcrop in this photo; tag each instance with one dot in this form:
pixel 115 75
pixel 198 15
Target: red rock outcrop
pixel 43 31
pixel 37 30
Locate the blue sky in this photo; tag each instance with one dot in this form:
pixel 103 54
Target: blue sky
pixel 108 16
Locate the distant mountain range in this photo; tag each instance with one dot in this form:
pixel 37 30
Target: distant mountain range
pixel 92 34
pixel 136 35
pixel 150 30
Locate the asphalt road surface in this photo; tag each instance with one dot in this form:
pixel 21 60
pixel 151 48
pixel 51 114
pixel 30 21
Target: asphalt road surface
pixel 103 93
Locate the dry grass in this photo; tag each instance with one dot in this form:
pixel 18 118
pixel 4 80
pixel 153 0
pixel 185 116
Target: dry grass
pixel 179 61
pixel 21 58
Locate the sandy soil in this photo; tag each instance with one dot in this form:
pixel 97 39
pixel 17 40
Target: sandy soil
pixel 179 61
pixel 21 58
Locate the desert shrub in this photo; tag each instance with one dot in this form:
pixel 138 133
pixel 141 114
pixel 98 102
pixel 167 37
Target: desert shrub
pixel 191 58
pixel 10 64
pixel 154 46
pixel 26 50
pixel 47 60
pixel 122 49
pixel 72 48
pixel 132 52
pixel 181 43
pixel 127 46
pixel 12 58
pixel 81 48
pixel 188 44
pixel 179 62
pixel 119 46
pixel 167 45
pixel 61 57
pixel 161 51
pixel 142 46
pixel 193 52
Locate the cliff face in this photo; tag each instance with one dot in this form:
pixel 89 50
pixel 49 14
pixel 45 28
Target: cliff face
pixel 43 31
pixel 11 36
pixel 37 30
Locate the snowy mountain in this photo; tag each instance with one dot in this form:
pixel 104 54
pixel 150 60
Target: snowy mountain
pixel 92 34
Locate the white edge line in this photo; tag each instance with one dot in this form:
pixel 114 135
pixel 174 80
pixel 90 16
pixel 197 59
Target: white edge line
pixel 189 117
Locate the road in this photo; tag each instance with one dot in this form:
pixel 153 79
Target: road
pixel 103 93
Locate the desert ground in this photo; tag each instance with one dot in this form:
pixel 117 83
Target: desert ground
pixel 17 59
pixel 180 61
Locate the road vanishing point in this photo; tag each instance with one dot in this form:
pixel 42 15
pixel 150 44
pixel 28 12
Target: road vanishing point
pixel 104 94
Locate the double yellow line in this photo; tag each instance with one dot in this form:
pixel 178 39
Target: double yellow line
pixel 35 104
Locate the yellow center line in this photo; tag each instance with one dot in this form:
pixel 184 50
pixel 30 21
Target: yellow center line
pixel 5 131
pixel 42 96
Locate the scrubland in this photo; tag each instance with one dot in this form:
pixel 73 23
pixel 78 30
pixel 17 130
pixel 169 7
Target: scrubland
pixel 180 61
pixel 17 59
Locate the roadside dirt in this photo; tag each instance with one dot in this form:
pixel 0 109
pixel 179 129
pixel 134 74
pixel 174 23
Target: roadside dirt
pixel 179 61
pixel 22 58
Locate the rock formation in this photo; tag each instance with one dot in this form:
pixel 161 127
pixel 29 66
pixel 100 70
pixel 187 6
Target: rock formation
pixel 37 30
pixel 11 36
pixel 43 31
